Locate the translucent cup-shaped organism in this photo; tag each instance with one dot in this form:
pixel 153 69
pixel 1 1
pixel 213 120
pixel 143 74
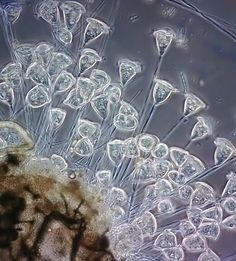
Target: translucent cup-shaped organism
pixel 64 35
pixel 74 100
pixel 194 215
pixel 194 243
pixel 116 151
pixel 14 137
pixel 6 93
pixel 83 147
pixel 11 73
pixel 163 38
pixel 94 29
pixel 38 75
pixel 174 253
pixel 201 199
pixel 208 255
pixel 37 97
pixel 63 82
pixel 113 93
pixel 160 151
pixel 59 162
pixel 186 228
pixel 147 223
pixel 131 148
pixel 224 150
pixel 117 196
pixel 176 177
pixel 58 63
pixel 210 230
pixel 178 155
pixel 213 213
pixel 125 122
pixel 24 53
pixel 166 239
pixel 57 117
pixel 128 109
pixel 229 205
pixel 229 223
pixel 163 188
pixel 193 104
pixel 165 206
pixel 48 10
pixel 230 186
pixel 147 142
pixel 161 167
pixel 104 178
pixel 85 88
pixel 162 91
pixel 100 78
pixel 143 170
pixel 201 129
pixel 89 57
pixel 101 106
pixel 89 129
pixel 72 12
pixel 127 70
pixel 43 54
pixel 13 12
pixel 185 192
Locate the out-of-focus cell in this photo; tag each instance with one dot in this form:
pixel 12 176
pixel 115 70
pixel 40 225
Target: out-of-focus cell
pixel 94 29
pixel 178 155
pixel 100 78
pixel 213 213
pixel 59 162
pixel 162 91
pixel 117 196
pixel 74 100
pixel 229 223
pixel 147 223
pixel 43 53
pixel 161 167
pixel 12 74
pixel 191 167
pixel 224 150
pixel 37 97
pixel 125 122
pixel 84 147
pixel 230 186
pixel 165 206
pixel 13 12
pixel 115 151
pixel 63 82
pixel 229 205
pixel 37 74
pixel 192 105
pixel 166 239
pixel 89 57
pixel 89 129
pixel 131 148
pixel 185 192
pixel 6 94
pixel 210 230
pixel 201 129
pixel 58 63
pixel 144 170
pixel 24 53
pixel 101 106
pixel 48 11
pixel 194 215
pixel 174 253
pixel 163 38
pixel 63 35
pixel 57 117
pixel 128 109
pixel 160 151
pixel 194 243
pixel 127 70
pixel 85 87
pixel 208 255
pixel 113 93
pixel 72 12
pixel 15 136
pixel 186 228
pixel 104 178
pixel 176 177
pixel 147 142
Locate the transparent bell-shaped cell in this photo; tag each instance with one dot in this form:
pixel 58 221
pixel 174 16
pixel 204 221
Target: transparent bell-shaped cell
pixel 64 82
pixel 208 255
pixel 144 170
pixel 224 150
pixel 194 215
pixel 176 177
pixel 160 151
pixel 128 109
pixel 14 136
pixel 163 38
pixel 213 213
pixel 85 87
pixel 161 167
pixel 194 243
pixel 174 253
pixel 48 10
pixel 127 70
pixel 89 57
pixel 230 186
pixel 72 12
pixel 201 129
pixel 89 129
pixel 57 117
pixel 113 93
pixel 6 93
pixel 24 53
pixel 37 97
pixel 131 148
pixel 178 155
pixel 38 75
pixel 192 105
pixel 58 63
pixel 117 196
pixel 43 53
pixel 147 223
pixel 185 192
pixel 229 223
pixel 201 198
pixel 162 91
pixel 59 162
pixel 210 230
pixel 104 178
pixel 163 188
pixel 13 12
pixel 11 73
pixel 186 228
pixel 74 100
pixel 147 142
pixel 94 29
pixel 84 147
pixel 125 122
pixel 64 35
pixel 166 239
pixel 229 205
pixel 116 151
pixel 165 206
pixel 101 106
pixel 100 78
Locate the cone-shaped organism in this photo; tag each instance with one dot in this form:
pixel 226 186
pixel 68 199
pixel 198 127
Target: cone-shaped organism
pixel 11 73
pixel 24 53
pixel 194 243
pixel 125 122
pixel 208 255
pixel 59 162
pixel 89 57
pixel 63 82
pixel 201 129
pixel 6 93
pixel 85 87
pixel 89 129
pixel 74 100
pixel 116 151
pixel 83 147
pixel 58 63
pixel 48 10
pixel 64 35
pixel 43 54
pixel 163 38
pixel 192 104
pixel 100 78
pixel 37 97
pixel 166 239
pixel 57 117
pixel 101 105
pixel 13 12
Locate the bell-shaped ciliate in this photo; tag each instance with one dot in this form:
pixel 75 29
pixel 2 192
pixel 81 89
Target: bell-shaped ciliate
pixel 89 129
pixel 57 117
pixel 101 106
pixel 116 151
pixel 100 78
pixel 89 57
pixel 201 129
pixel 147 223
pixel 13 12
pixel 64 35
pixel 63 82
pixel 83 147
pixel 74 100
pixel 11 73
pixel 43 53
pixel 48 10
pixel 208 255
pixel 125 122
pixel 24 53
pixel 38 75
pixel 178 155
pixel 192 104
pixel 94 29
pixel 85 87
pixel 166 239
pixel 163 38
pixel 59 162
pixel 194 243
pixel 58 63
pixel 37 97
pixel 6 93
